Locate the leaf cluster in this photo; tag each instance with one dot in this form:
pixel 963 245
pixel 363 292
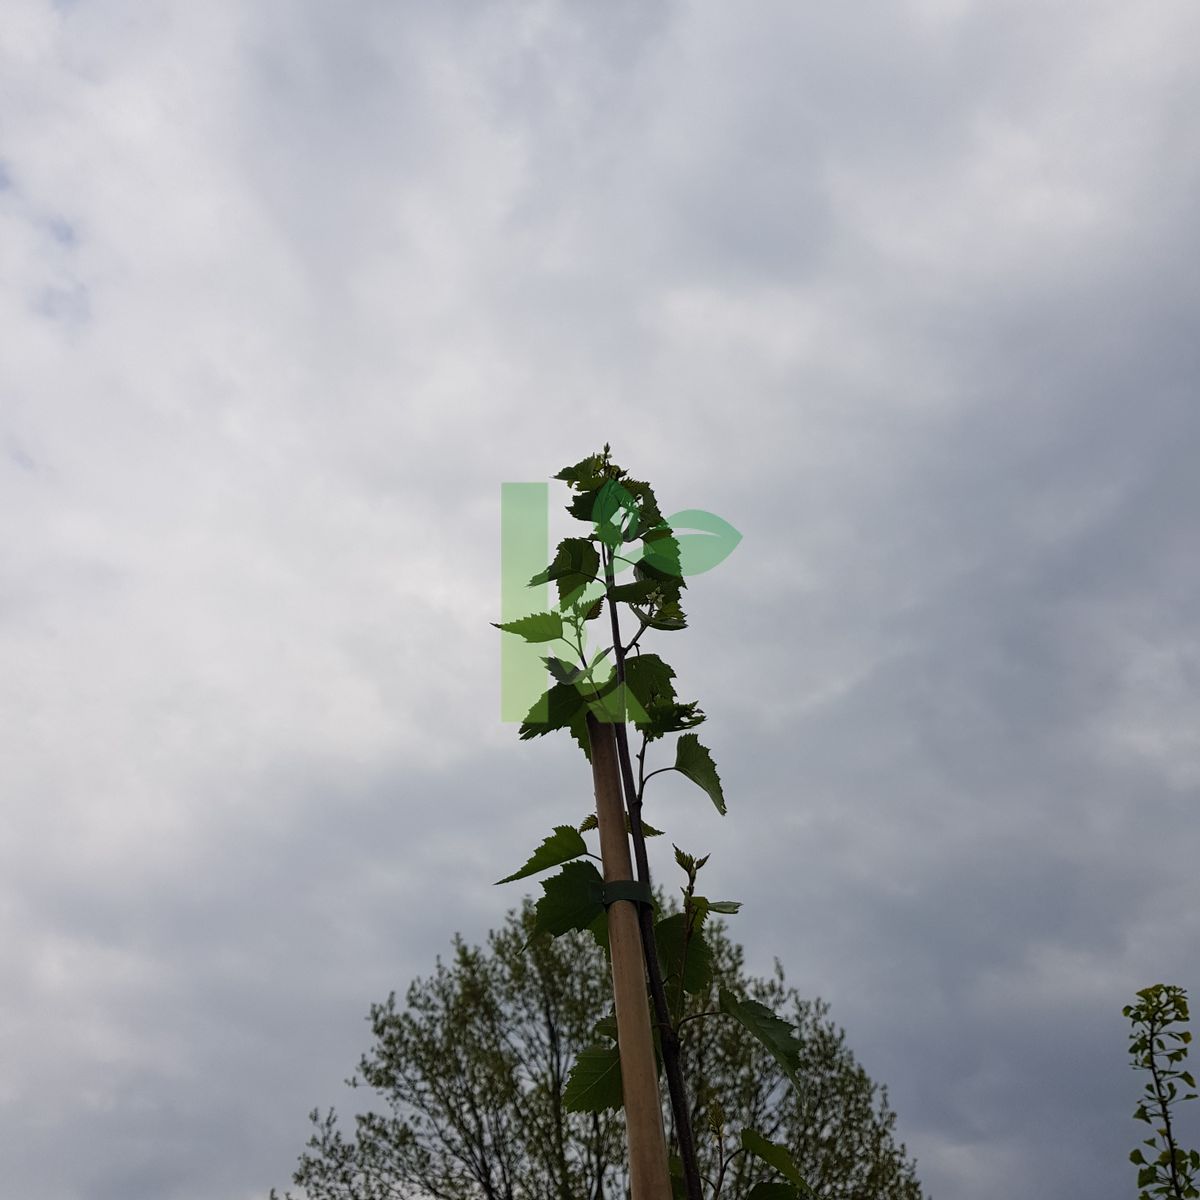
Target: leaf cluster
pixel 468 1085
pixel 1159 1047
pixel 628 534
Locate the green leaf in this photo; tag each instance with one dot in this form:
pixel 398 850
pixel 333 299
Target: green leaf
pixel 652 516
pixel 665 716
pixel 615 513
pixel 667 616
pixel 563 672
pixel 1136 1156
pixel 561 846
pixel 606 1027
pixel 700 552
pixel 724 906
pixel 586 473
pixel 660 555
pixel 589 823
pixel 648 683
pixel 696 762
pixel 573 900
pixel 579 731
pixel 599 931
pixel 583 505
pixel 554 710
pixel 594 1084
pixel 648 676
pixel 776 1156
pixel 537 627
pixel 637 592
pixel 576 562
pixel 697 970
pixel 777 1035
pixel 606 700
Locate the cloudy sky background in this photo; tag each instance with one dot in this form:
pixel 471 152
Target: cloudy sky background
pixel 905 291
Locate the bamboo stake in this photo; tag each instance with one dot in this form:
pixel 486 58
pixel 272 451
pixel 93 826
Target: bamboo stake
pixel 649 1178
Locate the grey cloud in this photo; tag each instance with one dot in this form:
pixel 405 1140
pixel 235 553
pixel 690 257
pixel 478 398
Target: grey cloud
pixel 903 294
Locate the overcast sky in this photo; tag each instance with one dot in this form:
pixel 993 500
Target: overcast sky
pixel 906 292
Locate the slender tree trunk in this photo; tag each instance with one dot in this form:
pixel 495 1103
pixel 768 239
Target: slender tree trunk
pixel 1164 1109
pixel 649 1178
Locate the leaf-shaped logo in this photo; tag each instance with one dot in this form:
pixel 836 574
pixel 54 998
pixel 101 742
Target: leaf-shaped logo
pixel 703 550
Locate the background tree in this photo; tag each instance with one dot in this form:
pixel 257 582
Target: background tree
pixel 470 1077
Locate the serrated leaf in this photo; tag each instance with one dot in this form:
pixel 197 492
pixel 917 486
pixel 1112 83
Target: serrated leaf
pixel 579 731
pixel 573 899
pixel 563 672
pixel 665 716
pixel 616 513
pixel 599 931
pixel 554 710
pixel 776 1156
pixel 589 823
pixel 586 473
pixel 637 592
pixel 576 562
pixel 697 968
pixel 776 1034
pixel 594 1084
pixel 661 558
pixel 647 686
pixel 606 1027
pixel 582 506
pixel 648 683
pixel 537 627
pixel 651 514
pixel 561 846
pixel 666 617
pixel 649 676
pixel 696 762
pixel 700 552
pixel 607 701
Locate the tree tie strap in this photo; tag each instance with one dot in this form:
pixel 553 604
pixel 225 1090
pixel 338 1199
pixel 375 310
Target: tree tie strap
pixel 626 889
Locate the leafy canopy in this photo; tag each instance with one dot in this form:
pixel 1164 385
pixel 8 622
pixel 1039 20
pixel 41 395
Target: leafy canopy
pixel 467 1089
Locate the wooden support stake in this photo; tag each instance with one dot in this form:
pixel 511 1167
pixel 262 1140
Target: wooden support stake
pixel 649 1178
